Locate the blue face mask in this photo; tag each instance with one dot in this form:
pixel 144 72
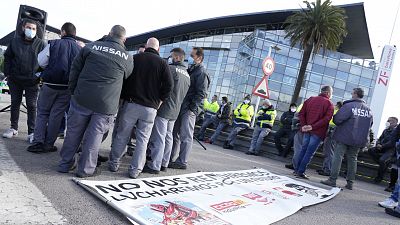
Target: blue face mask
pixel 190 61
pixel 29 33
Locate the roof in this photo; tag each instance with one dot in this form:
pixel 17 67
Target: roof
pixel 356 43
pixel 6 39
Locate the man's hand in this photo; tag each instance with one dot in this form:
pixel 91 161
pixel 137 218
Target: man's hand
pixel 306 128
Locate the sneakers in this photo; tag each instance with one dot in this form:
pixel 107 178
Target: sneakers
pixel 329 183
pixel 85 175
pixel 289 166
pixel 389 203
pixel 30 138
pixel 323 173
pixel 302 176
pixel 102 158
pixel 147 169
pixel 349 186
pixel 175 165
pixel 41 148
pixel 393 212
pixel 10 133
pixel 163 168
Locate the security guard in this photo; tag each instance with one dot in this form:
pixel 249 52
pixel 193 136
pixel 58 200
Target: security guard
pixel 329 145
pixel 265 120
pixel 243 114
pixel 210 111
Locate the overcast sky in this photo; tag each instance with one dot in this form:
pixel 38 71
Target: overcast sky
pixel 94 18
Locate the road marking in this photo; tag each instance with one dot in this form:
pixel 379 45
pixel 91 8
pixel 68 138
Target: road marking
pixel 285 170
pixel 21 201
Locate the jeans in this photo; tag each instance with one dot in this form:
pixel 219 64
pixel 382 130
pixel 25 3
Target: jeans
pixel 297 144
pixel 220 127
pixel 258 138
pixel 351 154
pixel 328 148
pixel 31 93
pixel 51 107
pixel 87 128
pixel 383 158
pixel 183 137
pixel 308 149
pixel 236 129
pixel 396 191
pixel 282 132
pixel 208 120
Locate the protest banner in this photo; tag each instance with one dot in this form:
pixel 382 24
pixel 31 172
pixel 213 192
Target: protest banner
pixel 209 198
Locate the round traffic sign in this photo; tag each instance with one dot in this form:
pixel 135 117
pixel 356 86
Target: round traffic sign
pixel 268 66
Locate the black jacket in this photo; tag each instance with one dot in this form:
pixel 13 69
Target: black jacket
pixel 394 137
pixel 224 112
pixel 385 136
pixel 199 82
pixel 151 81
pixel 286 120
pixel 171 107
pixel 97 74
pixel 62 53
pixel 20 60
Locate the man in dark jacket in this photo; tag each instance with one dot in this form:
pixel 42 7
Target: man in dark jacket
pixel 161 139
pixel 221 118
pixel 20 66
pixel 382 153
pixel 285 130
pixel 314 120
pixel 149 86
pixel 353 122
pixel 54 97
pixel 95 82
pixel 184 125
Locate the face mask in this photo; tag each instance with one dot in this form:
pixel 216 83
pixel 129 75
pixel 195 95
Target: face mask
pixel 190 61
pixel 246 101
pixel 263 107
pixel 170 61
pixel 29 33
pixel 387 125
pixel 293 109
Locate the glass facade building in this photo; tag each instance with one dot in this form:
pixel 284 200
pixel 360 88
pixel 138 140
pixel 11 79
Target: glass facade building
pixel 233 58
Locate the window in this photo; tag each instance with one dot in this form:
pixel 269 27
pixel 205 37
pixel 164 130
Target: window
pixel 293 62
pixel 353 79
pixel 344 67
pixel 340 84
pixel 368 73
pixel 332 63
pixel 313 86
pixel 318 59
pixel 338 92
pixel 280 59
pixel 286 89
pixel 288 80
pixel 315 78
pixel 365 82
pixel 279 68
pixel 274 85
pixel 291 72
pixel 277 77
pixel 330 72
pixel 295 53
pixel 355 69
pixel 342 75
pixel 317 68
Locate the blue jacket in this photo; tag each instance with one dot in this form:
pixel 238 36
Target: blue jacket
pixel 62 54
pixel 353 122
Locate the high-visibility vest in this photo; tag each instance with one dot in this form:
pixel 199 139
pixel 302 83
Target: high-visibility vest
pixel 244 112
pixel 211 108
pixel 331 123
pixel 270 122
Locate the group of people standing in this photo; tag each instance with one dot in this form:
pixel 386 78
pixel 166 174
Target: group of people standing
pixel 97 83
pixel 100 82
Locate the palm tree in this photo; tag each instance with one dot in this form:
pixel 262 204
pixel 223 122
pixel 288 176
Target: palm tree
pixel 320 25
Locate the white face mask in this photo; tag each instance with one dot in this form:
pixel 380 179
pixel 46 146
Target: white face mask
pixel 293 109
pixel 387 125
pixel 29 33
pixel 170 61
pixel 246 101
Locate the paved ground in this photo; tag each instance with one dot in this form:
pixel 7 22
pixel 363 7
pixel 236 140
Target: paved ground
pixel 32 192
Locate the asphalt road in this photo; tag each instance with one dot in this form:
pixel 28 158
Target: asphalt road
pixel 67 203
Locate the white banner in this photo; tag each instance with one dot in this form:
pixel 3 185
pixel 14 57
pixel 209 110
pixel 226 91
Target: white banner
pixel 209 198
pixel 381 87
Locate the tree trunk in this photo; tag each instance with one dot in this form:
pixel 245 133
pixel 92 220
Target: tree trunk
pixel 302 72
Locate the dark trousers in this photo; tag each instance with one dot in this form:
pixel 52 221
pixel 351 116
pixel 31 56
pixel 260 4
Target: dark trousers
pixel 31 93
pixel 384 158
pixel 282 132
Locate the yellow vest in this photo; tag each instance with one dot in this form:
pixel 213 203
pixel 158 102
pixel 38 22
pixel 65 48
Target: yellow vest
pixel 270 122
pixel 211 107
pixel 331 123
pixel 244 112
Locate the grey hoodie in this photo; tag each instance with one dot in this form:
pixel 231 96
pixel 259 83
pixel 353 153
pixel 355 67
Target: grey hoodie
pixel 353 122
